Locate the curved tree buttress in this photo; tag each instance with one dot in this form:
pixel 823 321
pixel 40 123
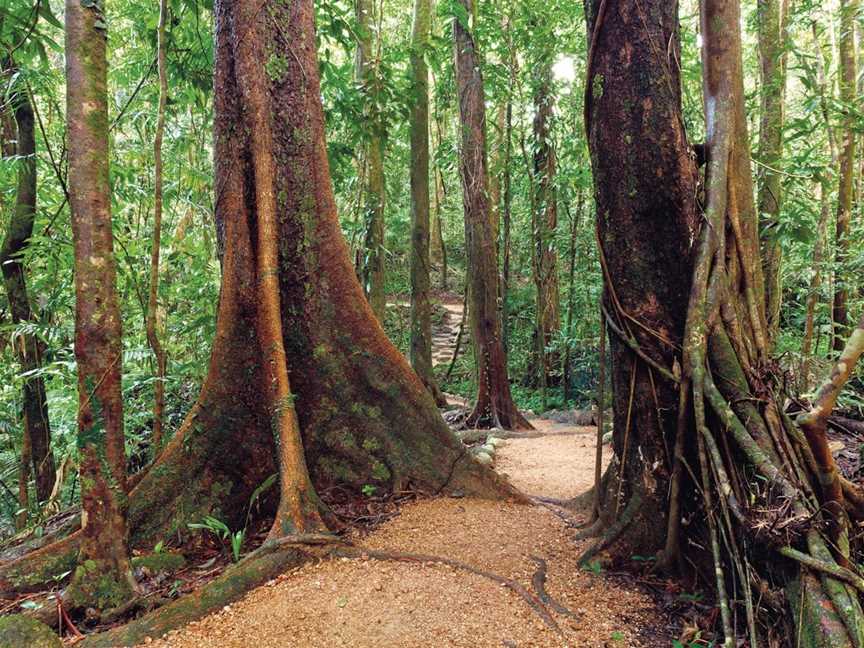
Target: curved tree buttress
pixel 301 373
pixel 361 413
pixel 700 434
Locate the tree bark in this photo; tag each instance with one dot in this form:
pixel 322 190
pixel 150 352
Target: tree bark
pixel 723 416
pixel 28 348
pixel 494 405
pixel 545 221
pixel 848 77
pixel 645 228
pixel 152 317
pixel 421 309
pixel 103 577
pixel 364 416
pixel 772 33
pixel 374 195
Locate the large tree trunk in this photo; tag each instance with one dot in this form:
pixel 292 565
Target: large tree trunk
pixel 494 405
pixel 662 399
pixel 363 415
pixel 103 578
pixel 545 221
pixel 374 192
pixel 773 17
pixel 421 309
pixel 645 229
pixel 28 348
pixel 848 77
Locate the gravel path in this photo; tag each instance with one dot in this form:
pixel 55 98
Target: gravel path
pixel 371 603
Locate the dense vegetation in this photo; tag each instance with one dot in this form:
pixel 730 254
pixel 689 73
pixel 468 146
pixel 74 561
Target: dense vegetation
pixel 541 195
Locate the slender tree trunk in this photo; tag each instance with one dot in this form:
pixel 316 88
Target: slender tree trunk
pixel 506 225
pixel 439 249
pixel 575 220
pixel 421 309
pixel 28 348
pixel 773 18
pixel 103 578
pixel 848 79
pixel 816 277
pixel 494 406
pixel 152 317
pixel 367 63
pixel 545 221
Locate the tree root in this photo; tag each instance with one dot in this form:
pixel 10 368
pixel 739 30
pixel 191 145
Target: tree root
pixel 274 558
pixel 836 571
pixel 558 508
pixel 263 565
pixel 533 602
pixel 614 531
pixel 40 568
pixel 539 583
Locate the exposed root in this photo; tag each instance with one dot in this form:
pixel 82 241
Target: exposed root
pixel 614 531
pixel 539 583
pixel 555 508
pixel 263 565
pixel 533 602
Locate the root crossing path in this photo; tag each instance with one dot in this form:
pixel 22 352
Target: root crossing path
pixel 372 602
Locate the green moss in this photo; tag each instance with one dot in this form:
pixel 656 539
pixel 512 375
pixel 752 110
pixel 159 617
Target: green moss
pixel 160 563
pixel 371 444
pixel 99 585
pixel 19 631
pixel 597 86
pixel 49 571
pixel 334 470
pixel 340 438
pixel 276 66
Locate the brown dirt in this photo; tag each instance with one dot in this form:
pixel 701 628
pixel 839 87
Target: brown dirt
pixel 366 603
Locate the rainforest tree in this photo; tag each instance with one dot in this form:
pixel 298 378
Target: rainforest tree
pixel 29 349
pixel 421 311
pixel 103 578
pixel 684 300
pixel 494 405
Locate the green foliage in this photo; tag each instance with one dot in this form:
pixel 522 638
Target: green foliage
pixel 219 529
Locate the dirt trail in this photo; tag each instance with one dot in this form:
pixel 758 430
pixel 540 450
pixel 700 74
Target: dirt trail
pixel 381 604
pixel 370 603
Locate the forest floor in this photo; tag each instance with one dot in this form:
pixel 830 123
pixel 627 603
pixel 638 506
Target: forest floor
pixel 366 603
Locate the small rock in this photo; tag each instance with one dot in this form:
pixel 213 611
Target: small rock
pixel 607 438
pixel 488 449
pixel 483 458
pixel 471 435
pixel 494 441
pixel 836 446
